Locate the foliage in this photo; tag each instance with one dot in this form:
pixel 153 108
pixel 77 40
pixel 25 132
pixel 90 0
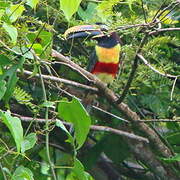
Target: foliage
pixel 65 148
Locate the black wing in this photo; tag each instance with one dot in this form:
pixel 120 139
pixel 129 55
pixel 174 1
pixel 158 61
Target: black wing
pixel 92 61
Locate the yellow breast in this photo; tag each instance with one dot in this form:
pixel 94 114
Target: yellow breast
pixel 108 55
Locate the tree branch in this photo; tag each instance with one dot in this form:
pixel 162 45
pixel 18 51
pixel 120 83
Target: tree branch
pixel 163 30
pixel 155 140
pixel 155 70
pixel 112 98
pixel 92 127
pixel 61 80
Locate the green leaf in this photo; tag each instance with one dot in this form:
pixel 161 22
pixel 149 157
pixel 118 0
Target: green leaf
pixel 61 125
pixel 2 88
pixel 174 138
pixel 69 7
pixel 89 12
pixel 75 113
pixel 12 80
pixel 42 42
pixel 14 12
pixel 32 3
pixel 26 52
pixel 4 4
pixel 157 104
pixel 22 173
pixel 172 159
pixel 15 127
pixel 1 13
pixel 28 142
pixel 12 31
pixel 4 60
pixel 78 172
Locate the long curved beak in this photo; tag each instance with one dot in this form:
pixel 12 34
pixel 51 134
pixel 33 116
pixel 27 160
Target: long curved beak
pixel 81 31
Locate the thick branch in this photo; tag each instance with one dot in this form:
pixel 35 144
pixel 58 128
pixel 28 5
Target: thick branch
pixel 112 98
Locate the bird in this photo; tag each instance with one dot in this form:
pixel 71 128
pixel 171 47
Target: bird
pixel 104 61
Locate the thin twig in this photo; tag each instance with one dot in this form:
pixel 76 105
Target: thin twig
pixel 63 63
pixel 166 8
pixel 155 70
pixel 159 120
pixel 163 30
pixel 153 19
pixel 132 26
pixel 3 173
pixel 144 12
pixel 110 114
pixel 133 71
pixel 61 80
pixel 174 83
pixel 94 107
pixel 46 124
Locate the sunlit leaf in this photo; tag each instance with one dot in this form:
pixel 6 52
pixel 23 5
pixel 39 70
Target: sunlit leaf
pixel 22 173
pixel 15 11
pixel 12 31
pixel 15 127
pixel 28 142
pixel 32 3
pixel 69 7
pixel 1 13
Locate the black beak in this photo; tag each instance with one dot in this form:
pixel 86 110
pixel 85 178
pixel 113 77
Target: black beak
pixel 84 31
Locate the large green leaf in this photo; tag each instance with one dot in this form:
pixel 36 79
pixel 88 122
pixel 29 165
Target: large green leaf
pixel 22 173
pixel 69 7
pixel 75 113
pixel 15 127
pixel 15 11
pixel 28 142
pixel 32 3
pixel 12 31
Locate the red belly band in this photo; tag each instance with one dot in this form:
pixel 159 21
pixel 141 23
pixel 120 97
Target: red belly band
pixel 109 68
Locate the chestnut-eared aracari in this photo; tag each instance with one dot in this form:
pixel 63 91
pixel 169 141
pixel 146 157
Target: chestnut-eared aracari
pixel 104 62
